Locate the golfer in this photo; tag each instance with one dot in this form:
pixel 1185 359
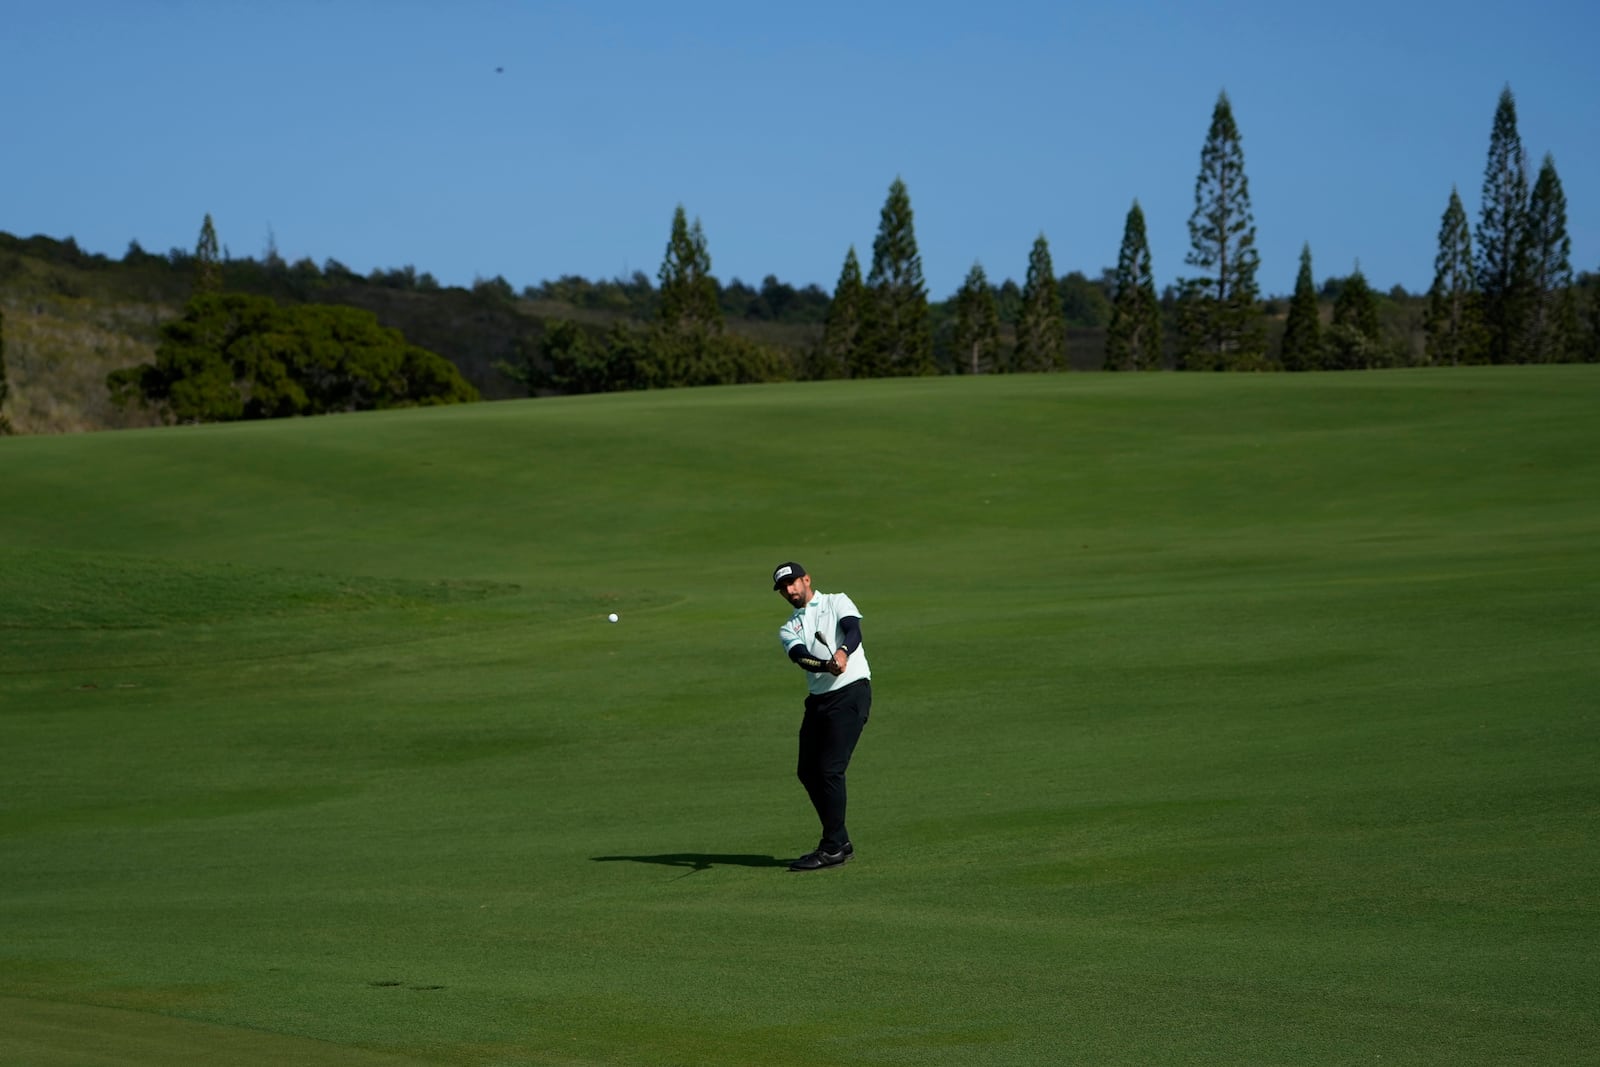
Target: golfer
pixel 823 637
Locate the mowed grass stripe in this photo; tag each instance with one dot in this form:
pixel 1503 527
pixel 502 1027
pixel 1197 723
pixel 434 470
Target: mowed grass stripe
pixel 1220 719
pixel 43 1034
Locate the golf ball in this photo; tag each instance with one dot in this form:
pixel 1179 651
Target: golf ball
pixel 612 617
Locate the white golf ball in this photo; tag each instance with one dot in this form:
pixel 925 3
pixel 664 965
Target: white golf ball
pixel 612 617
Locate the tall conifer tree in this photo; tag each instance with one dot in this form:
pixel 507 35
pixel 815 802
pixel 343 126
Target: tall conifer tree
pixel 898 339
pixel 1042 329
pixel 688 291
pixel 977 331
pixel 1302 332
pixel 1453 323
pixel 1501 247
pixel 1354 335
pixel 1133 337
pixel 1220 320
pixel 841 330
pixel 1590 352
pixel 687 345
pixel 1550 332
pixel 207 260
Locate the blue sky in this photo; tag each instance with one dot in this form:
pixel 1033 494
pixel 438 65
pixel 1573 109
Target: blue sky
pixel 382 134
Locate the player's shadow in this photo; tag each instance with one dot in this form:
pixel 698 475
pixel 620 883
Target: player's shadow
pixel 697 861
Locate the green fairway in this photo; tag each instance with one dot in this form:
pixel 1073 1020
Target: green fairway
pixel 1219 719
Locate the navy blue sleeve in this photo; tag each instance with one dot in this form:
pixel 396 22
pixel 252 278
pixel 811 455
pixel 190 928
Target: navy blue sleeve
pixel 850 633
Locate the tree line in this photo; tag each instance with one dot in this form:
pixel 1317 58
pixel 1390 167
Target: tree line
pixel 1503 291
pixel 1512 298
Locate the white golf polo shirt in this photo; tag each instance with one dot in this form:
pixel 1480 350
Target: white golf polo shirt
pixel 823 615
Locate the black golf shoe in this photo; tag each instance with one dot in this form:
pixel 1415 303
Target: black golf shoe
pixel 821 858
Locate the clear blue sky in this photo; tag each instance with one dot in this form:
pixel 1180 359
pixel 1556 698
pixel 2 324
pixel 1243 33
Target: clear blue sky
pixel 382 134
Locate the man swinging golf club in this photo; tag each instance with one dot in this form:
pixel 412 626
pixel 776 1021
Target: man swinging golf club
pixel 823 637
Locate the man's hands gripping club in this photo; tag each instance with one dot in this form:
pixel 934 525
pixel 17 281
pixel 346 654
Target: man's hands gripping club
pixel 836 661
pixel 834 664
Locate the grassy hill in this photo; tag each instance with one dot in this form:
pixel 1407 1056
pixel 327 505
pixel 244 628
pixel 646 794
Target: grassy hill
pixel 1242 719
pixel 71 318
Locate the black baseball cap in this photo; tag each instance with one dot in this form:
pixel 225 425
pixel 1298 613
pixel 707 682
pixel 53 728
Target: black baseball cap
pixel 786 573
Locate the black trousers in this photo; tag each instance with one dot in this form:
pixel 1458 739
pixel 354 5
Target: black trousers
pixel 828 736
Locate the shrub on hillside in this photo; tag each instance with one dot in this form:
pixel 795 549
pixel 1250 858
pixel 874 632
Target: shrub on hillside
pixel 571 359
pixel 235 356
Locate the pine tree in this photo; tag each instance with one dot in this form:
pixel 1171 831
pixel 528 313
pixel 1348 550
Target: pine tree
pixel 1133 337
pixel 1354 336
pixel 897 338
pixel 1302 332
pixel 841 331
pixel 977 331
pixel 1454 319
pixel 688 291
pixel 5 388
pixel 1551 327
pixel 1591 344
pixel 1502 269
pixel 1042 329
pixel 1220 322
pixel 207 260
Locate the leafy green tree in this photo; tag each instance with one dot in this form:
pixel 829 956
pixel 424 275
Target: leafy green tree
pixel 1551 323
pixel 672 359
pixel 207 260
pixel 1354 338
pixel 1453 323
pixel 743 360
pixel 1084 303
pixel 1220 321
pixel 5 387
pixel 1042 330
pixel 689 301
pixel 1133 339
pixel 627 351
pixel 570 360
pixel 977 330
pixel 238 356
pixel 1502 266
pixel 841 330
pixel 897 338
pixel 526 368
pixel 1302 332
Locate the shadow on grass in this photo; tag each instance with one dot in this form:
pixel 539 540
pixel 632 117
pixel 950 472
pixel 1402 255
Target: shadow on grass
pixel 697 861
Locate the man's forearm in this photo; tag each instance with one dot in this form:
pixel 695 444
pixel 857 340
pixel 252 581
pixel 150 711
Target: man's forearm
pixel 802 656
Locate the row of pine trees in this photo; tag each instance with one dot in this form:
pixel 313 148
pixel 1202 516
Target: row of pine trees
pixel 1508 299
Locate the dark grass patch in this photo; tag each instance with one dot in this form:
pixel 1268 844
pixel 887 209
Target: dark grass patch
pixel 76 590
